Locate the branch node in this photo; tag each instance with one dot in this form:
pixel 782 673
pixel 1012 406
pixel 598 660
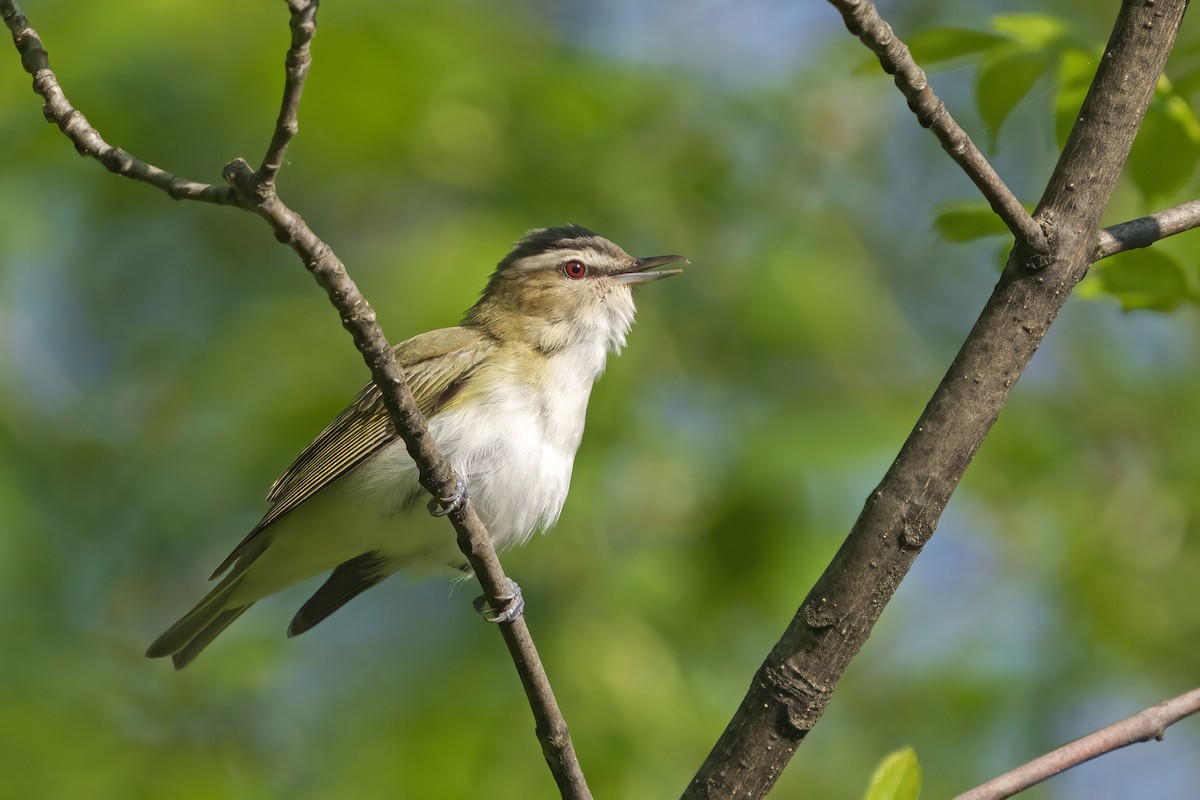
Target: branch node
pixel 802 701
pixel 816 615
pixel 237 172
pixel 915 534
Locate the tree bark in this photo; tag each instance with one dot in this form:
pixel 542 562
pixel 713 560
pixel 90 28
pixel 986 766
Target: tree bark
pixel 791 689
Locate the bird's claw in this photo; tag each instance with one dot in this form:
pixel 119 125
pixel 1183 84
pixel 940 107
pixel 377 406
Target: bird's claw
pixel 512 605
pixel 441 506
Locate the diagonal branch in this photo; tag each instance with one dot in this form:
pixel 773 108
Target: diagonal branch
pixel 255 191
pixel 437 476
pixel 791 689
pixel 1151 723
pixel 863 20
pixel 1145 231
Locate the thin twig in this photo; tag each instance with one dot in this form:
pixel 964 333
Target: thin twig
pixel 863 20
pixel 58 110
pixel 299 58
pixel 1145 231
pixel 255 191
pixel 1151 723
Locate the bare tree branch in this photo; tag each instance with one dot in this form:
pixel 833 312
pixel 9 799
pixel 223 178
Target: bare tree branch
pixel 863 20
pixel 791 689
pixel 1145 231
pixel 299 58
pixel 255 191
pixel 1141 727
pixel 58 110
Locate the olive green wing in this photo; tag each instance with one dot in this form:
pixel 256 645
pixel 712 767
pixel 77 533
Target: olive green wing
pixel 437 366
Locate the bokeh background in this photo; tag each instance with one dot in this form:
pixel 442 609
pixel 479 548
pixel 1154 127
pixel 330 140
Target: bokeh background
pixel 161 363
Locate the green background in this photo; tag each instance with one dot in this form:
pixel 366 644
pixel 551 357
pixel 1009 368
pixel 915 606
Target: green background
pixel 161 363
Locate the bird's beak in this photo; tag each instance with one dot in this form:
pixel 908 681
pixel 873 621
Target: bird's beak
pixel 639 272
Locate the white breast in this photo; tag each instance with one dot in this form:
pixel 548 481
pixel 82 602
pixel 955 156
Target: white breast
pixel 515 445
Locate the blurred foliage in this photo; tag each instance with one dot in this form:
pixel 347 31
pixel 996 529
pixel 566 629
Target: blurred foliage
pixel 161 362
pixel 1023 50
pixel 966 220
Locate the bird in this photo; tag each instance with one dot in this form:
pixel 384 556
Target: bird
pixel 505 394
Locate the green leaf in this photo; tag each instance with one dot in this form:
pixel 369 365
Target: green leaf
pixel 898 777
pixel 1185 68
pixel 939 45
pixel 1165 152
pixel 1034 31
pixel 967 220
pixel 1006 74
pixel 1142 279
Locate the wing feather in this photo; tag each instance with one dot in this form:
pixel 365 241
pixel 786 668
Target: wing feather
pixel 437 365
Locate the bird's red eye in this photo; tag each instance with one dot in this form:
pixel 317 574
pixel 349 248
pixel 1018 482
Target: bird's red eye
pixel 574 269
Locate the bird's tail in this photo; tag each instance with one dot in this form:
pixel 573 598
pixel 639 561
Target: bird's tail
pixel 184 640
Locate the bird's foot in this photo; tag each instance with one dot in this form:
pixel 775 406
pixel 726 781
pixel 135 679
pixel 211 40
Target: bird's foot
pixel 512 605
pixel 441 506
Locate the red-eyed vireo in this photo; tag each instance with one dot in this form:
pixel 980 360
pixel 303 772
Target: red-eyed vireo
pixel 505 394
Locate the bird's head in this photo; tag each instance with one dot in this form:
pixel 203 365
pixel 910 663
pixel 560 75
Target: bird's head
pixel 564 286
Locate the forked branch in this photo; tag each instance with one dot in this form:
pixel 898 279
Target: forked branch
pixel 792 688
pixel 254 190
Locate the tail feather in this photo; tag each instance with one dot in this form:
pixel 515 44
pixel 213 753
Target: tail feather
pixel 198 627
pixel 202 639
pixel 350 579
